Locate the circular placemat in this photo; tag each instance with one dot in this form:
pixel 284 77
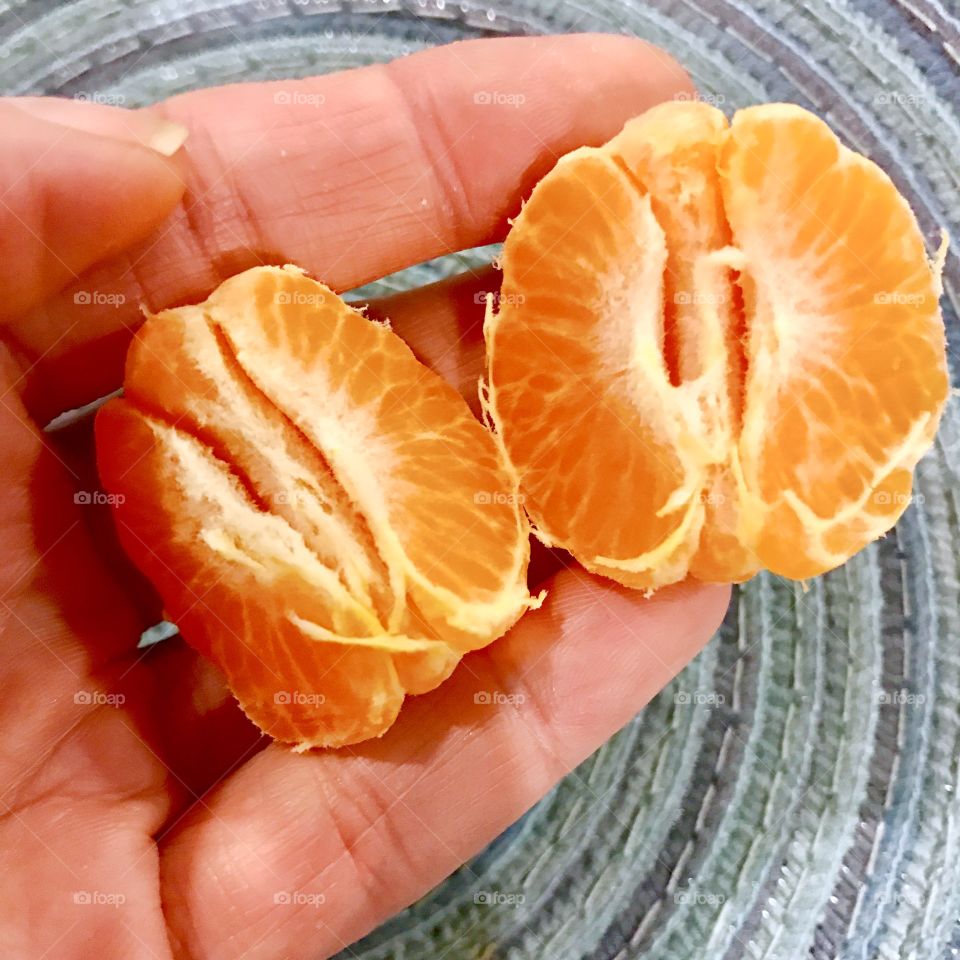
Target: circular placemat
pixel 795 791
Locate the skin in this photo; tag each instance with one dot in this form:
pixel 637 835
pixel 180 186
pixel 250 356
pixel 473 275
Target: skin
pixel 166 807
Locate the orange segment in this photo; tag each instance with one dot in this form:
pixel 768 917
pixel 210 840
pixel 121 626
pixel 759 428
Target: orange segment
pixel 719 348
pixel 304 494
pixel 671 156
pixel 846 349
pixel 582 376
pixel 672 153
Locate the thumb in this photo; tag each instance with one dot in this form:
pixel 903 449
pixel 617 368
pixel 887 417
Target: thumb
pixel 78 182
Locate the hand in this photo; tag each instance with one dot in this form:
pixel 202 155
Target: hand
pixel 143 815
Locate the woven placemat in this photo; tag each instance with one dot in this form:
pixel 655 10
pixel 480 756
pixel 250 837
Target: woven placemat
pixel 795 792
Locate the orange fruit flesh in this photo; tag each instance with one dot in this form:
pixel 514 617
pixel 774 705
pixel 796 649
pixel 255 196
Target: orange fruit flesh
pixel 719 349
pixel 304 495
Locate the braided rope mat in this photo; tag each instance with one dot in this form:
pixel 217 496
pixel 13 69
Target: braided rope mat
pixel 795 792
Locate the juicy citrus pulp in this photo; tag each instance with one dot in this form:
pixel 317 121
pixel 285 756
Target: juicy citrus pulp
pixel 718 348
pixel 321 514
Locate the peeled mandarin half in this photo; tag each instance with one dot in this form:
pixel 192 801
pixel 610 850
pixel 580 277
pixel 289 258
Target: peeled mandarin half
pixel 321 514
pixel 718 349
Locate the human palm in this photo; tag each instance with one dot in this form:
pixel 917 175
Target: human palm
pixel 142 815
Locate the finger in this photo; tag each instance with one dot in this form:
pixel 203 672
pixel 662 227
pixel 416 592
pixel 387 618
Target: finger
pixel 351 176
pixel 78 182
pixel 370 829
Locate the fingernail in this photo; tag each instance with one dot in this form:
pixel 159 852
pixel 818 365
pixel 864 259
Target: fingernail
pixel 143 126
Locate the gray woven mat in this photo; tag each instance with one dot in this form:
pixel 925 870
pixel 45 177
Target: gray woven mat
pixel 795 792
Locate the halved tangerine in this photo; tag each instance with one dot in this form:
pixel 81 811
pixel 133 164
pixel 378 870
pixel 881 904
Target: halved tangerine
pixel 718 349
pixel 321 514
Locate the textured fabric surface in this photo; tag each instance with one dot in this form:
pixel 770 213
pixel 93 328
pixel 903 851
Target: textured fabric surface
pixel 795 792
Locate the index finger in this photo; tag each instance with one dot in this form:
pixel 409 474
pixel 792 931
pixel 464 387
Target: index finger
pixel 352 176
